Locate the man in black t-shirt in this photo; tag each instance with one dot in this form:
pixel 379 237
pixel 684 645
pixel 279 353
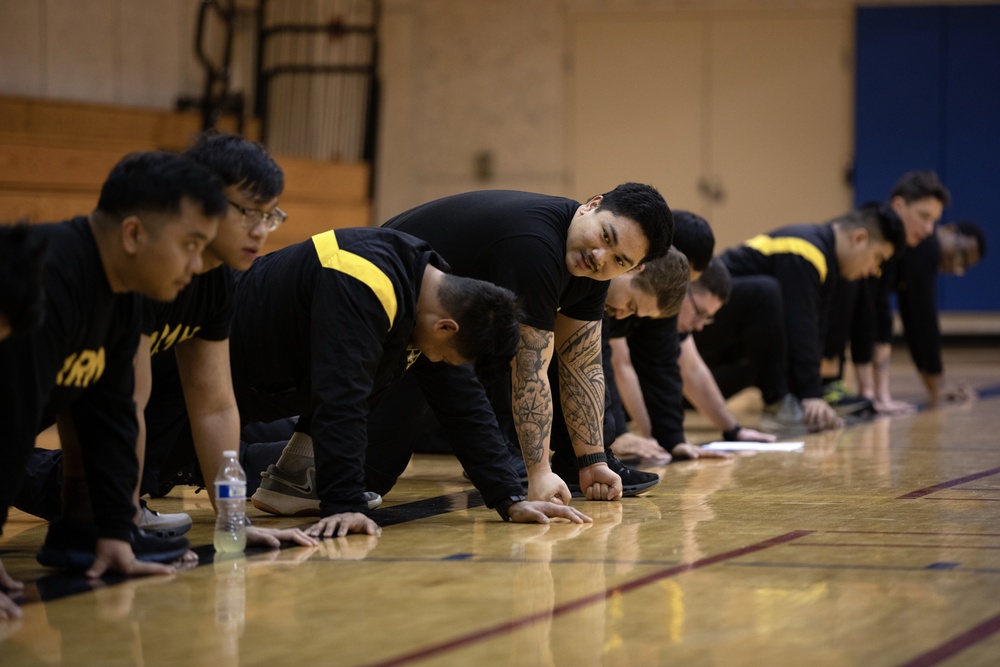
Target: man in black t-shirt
pixel 184 391
pixel 323 329
pixel 556 255
pixel 155 214
pixel 22 257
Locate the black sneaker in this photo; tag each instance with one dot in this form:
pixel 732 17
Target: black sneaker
pixel 72 546
pixel 846 403
pixel 634 482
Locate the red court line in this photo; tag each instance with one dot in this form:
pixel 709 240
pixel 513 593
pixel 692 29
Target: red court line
pixel 920 493
pixel 883 544
pixel 956 645
pixel 969 500
pixel 515 624
pixel 909 532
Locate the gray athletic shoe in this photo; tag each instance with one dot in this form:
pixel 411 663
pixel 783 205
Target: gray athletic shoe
pixel 373 499
pixel 783 415
pixel 288 494
pixel 163 525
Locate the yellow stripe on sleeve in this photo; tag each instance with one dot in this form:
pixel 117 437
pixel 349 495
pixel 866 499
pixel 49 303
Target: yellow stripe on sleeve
pixel 768 245
pixel 332 257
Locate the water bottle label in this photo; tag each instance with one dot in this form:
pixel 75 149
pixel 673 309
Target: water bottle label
pixel 230 490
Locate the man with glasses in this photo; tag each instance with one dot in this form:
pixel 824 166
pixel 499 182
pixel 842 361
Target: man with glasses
pixel 656 363
pixel 183 385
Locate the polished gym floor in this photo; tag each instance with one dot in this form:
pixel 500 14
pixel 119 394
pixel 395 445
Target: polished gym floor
pixel 876 545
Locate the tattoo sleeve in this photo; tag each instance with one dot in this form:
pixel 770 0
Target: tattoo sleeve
pixel 581 385
pixel 531 395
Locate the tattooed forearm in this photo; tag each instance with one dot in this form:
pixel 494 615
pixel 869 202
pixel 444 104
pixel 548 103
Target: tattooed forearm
pixel 531 394
pixel 581 385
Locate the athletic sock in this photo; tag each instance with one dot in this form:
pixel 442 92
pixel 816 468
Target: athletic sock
pixel 298 453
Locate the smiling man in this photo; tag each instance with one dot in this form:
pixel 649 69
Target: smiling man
pixel 556 255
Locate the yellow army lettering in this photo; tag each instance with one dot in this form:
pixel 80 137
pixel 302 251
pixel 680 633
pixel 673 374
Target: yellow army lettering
pixel 162 341
pixel 81 369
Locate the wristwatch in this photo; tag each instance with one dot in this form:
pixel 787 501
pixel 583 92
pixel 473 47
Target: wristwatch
pixel 590 459
pixel 731 434
pixel 505 504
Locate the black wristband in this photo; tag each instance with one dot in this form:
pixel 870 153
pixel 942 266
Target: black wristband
pixel 730 435
pixel 505 504
pixel 591 459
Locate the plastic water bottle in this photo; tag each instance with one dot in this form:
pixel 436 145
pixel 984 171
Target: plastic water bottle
pixel 230 505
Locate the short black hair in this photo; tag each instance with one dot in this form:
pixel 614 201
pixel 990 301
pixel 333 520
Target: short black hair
pixel 238 161
pixel 881 221
pixel 915 185
pixel 716 280
pixel 22 258
pixel 667 278
pixel 970 228
pixel 156 182
pixel 646 206
pixel 693 236
pixel 488 320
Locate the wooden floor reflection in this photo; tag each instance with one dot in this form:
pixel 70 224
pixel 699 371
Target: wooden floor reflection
pixel 877 545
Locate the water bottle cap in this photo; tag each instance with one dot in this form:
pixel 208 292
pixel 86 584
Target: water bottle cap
pixel 229 452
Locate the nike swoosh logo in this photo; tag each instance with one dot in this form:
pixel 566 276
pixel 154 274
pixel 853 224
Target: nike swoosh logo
pixel 308 489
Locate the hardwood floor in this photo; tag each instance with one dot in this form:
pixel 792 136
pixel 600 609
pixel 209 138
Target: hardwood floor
pixel 875 545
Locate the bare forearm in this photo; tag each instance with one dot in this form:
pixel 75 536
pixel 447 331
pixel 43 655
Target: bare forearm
pixel 581 385
pixel 865 375
pixel 881 358
pixel 214 433
pixel 703 393
pixel 531 395
pixel 933 384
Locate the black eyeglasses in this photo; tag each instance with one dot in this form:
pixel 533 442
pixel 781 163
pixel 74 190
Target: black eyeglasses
pixel 253 217
pixel 700 314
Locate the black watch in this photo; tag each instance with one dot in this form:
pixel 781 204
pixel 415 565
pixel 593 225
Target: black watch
pixel 731 434
pixel 590 459
pixel 505 504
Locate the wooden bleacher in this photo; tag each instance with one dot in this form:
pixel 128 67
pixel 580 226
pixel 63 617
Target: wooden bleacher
pixel 54 157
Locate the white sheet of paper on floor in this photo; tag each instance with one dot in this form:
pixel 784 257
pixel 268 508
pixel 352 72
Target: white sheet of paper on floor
pixel 756 446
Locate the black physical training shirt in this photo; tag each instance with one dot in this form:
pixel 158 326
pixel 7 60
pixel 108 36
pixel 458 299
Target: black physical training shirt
pixel 803 259
pixel 80 361
pixel 322 328
pixel 203 309
pixel 513 239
